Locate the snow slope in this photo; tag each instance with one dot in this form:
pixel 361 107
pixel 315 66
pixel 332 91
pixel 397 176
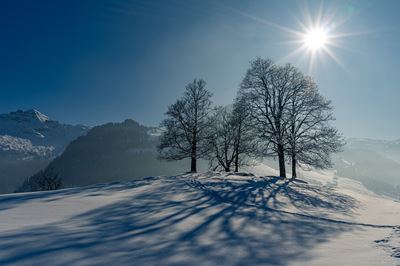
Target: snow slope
pixel 204 219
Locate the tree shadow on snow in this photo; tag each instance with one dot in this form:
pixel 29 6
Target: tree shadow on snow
pixel 189 221
pixel 9 201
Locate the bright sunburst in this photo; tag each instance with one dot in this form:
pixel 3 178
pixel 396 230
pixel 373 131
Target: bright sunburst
pixel 316 39
pixel 315 36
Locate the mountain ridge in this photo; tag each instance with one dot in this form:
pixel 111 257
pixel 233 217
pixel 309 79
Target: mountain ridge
pixel 111 152
pixel 29 140
pixel 39 129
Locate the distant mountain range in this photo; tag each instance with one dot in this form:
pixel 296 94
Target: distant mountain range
pixel 376 163
pixel 112 152
pixel 40 130
pixel 29 140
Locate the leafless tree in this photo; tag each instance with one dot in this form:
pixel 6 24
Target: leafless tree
pixel 186 130
pixel 244 141
pixel 267 90
pixel 49 181
pixel 231 142
pixel 311 138
pixel 222 139
pixel 41 181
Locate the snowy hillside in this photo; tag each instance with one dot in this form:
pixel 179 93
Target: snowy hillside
pixel 209 219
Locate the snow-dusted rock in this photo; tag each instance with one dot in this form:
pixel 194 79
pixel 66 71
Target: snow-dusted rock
pixel 19 146
pixel 39 129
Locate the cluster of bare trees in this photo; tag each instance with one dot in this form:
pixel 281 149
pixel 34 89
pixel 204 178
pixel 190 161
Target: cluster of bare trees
pixel 230 141
pixel 278 113
pixel 42 181
pixel 195 130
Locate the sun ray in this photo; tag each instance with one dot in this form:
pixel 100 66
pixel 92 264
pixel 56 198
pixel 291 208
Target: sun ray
pixel 336 59
pixel 311 62
pixel 296 52
pixel 316 36
pixel 319 36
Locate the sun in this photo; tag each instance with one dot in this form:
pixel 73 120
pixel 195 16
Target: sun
pixel 315 39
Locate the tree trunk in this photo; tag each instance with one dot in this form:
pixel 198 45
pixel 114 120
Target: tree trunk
pixel 237 148
pixel 281 158
pixel 237 160
pixel 294 164
pixel 237 165
pixel 193 165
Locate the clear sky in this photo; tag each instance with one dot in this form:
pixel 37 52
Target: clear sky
pixel 99 61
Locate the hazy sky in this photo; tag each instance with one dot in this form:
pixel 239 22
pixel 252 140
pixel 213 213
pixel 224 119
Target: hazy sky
pixel 99 61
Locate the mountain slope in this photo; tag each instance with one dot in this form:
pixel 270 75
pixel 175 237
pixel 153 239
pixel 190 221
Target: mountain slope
pixel 29 140
pixel 39 129
pixel 113 152
pixel 210 219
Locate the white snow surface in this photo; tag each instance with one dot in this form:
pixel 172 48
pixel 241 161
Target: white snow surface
pixel 203 219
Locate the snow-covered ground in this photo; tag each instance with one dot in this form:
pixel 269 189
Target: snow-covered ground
pixel 202 219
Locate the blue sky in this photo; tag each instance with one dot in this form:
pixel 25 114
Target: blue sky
pixel 93 62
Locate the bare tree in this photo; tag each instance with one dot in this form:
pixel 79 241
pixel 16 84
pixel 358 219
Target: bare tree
pixel 49 181
pixel 222 138
pixel 186 128
pixel 311 138
pixel 244 141
pixel 41 181
pixel 232 142
pixel 267 89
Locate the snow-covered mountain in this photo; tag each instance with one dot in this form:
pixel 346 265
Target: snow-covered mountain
pixel 39 129
pixel 29 140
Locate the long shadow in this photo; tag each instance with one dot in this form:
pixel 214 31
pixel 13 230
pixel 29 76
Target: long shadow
pixel 9 201
pixel 183 221
pixel 265 192
pixel 322 200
